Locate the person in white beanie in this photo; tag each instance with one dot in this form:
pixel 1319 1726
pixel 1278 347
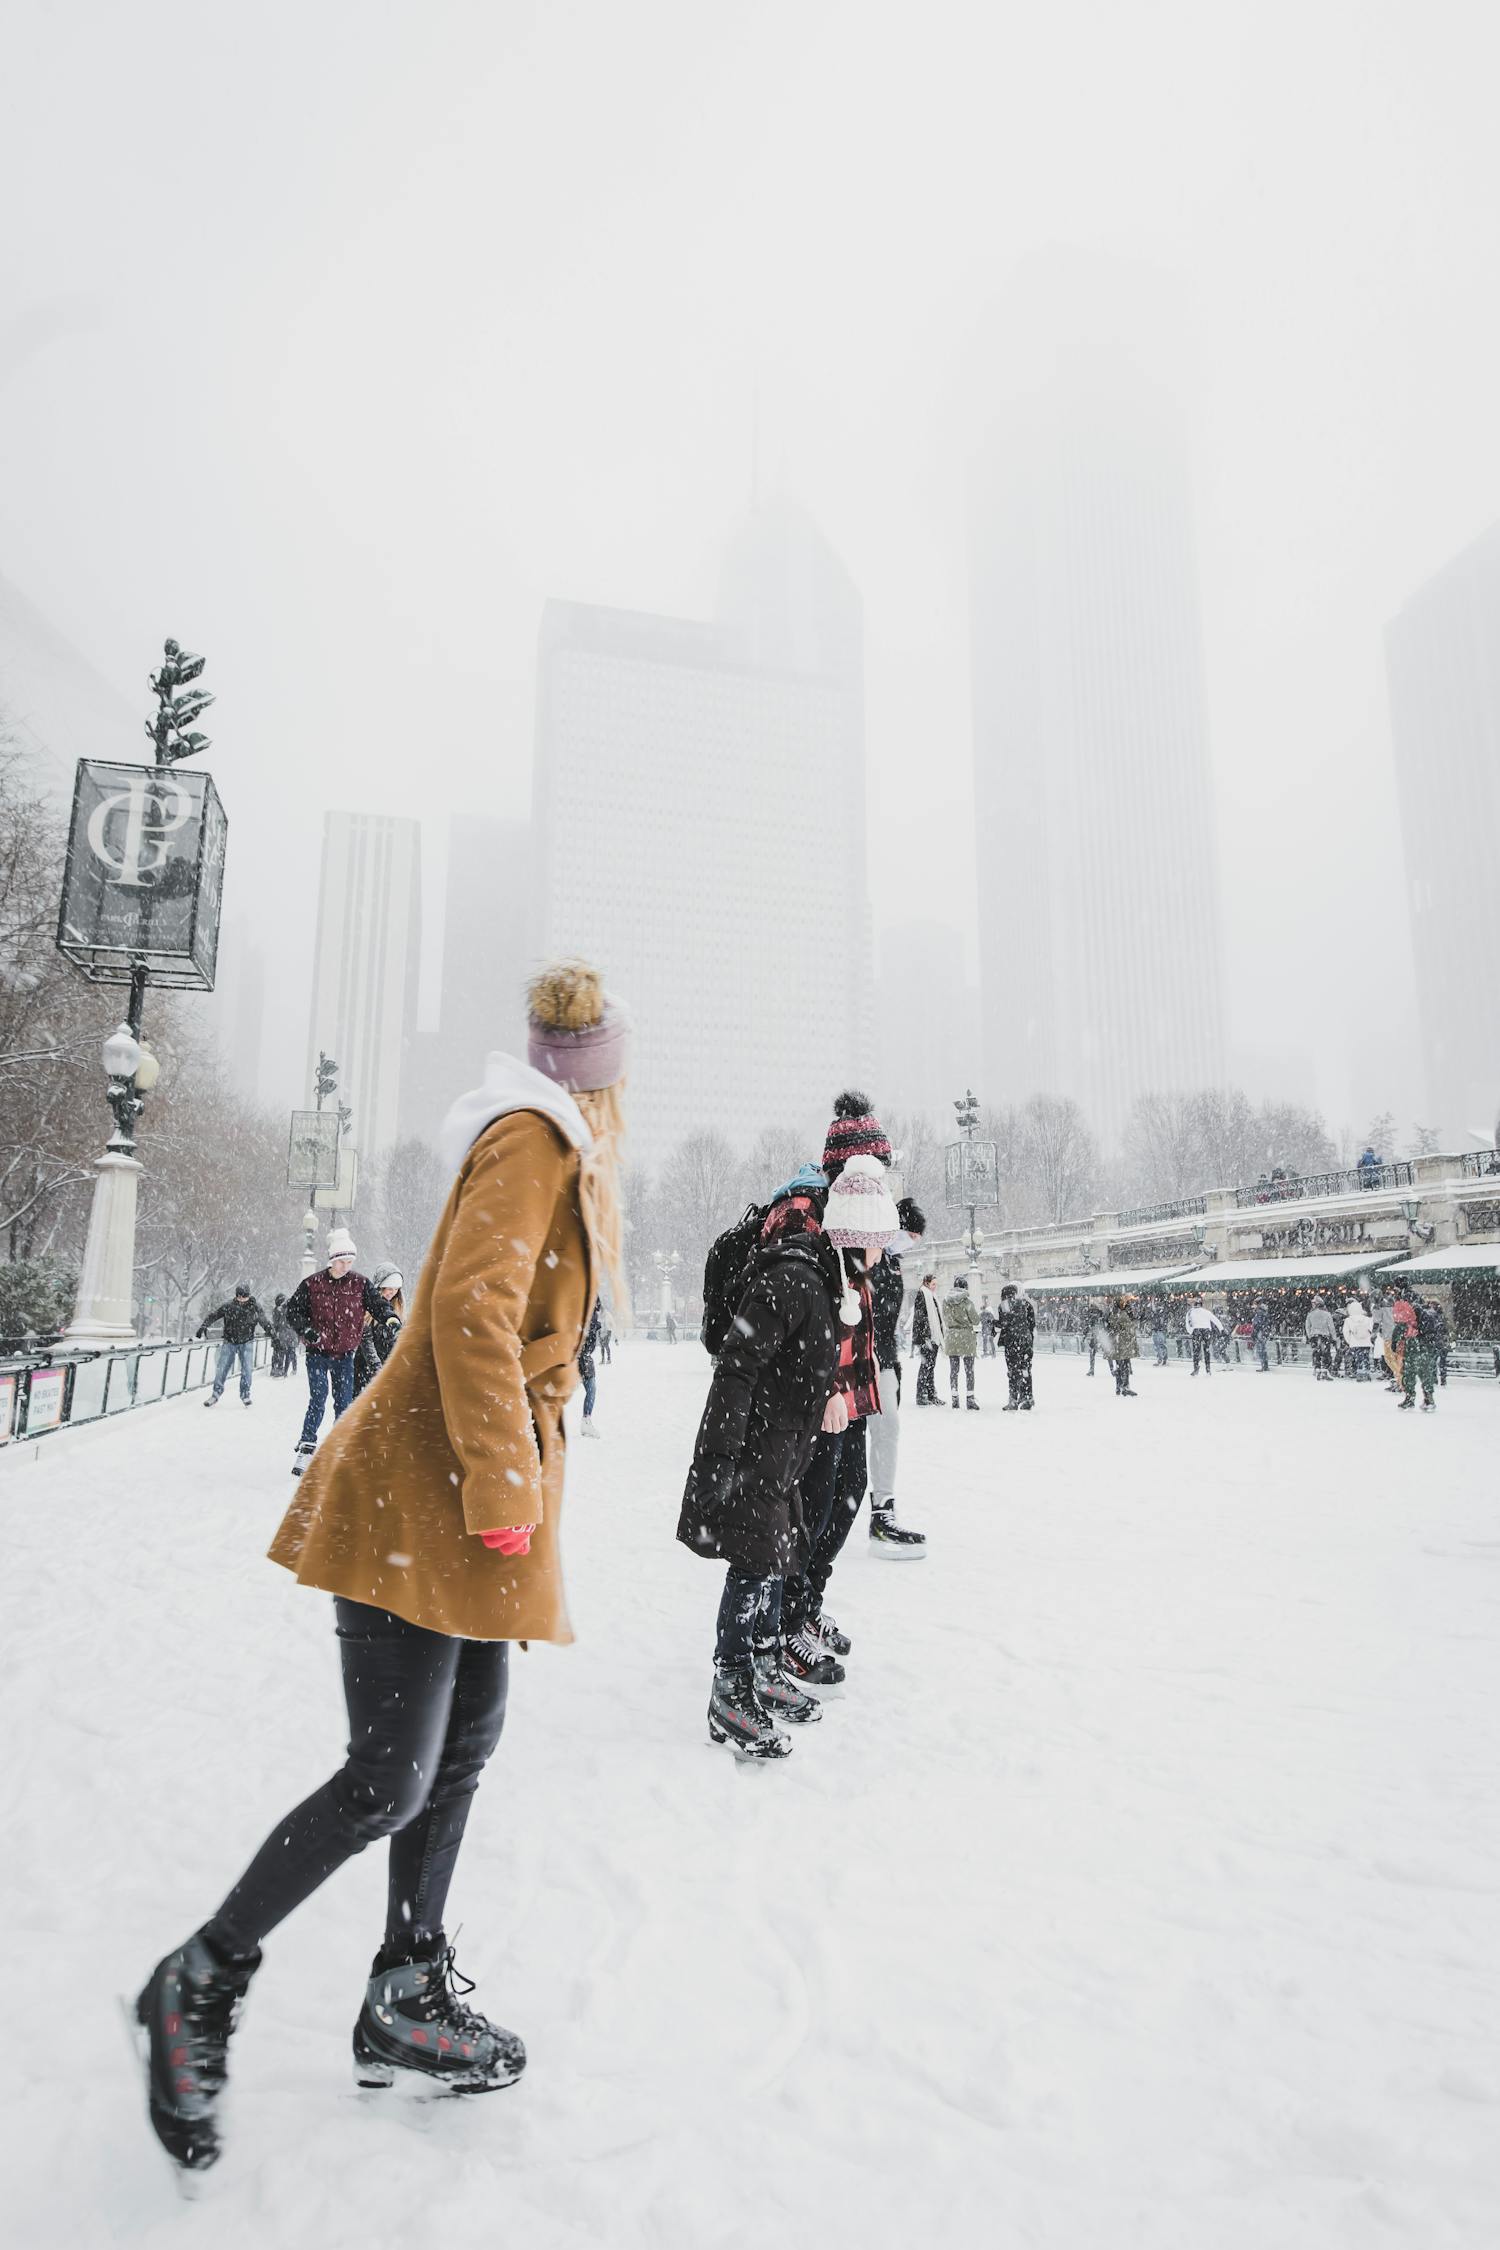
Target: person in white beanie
pixel 860 1220
pixel 328 1312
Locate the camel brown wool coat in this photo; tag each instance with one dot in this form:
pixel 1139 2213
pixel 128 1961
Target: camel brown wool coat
pixel 461 1431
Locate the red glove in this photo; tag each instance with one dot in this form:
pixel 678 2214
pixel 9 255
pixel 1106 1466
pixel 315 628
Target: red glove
pixel 516 1542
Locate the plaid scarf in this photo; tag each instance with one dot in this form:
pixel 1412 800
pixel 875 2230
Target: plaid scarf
pixel 858 1376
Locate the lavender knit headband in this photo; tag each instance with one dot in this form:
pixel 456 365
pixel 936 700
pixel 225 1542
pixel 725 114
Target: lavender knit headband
pixel 583 1061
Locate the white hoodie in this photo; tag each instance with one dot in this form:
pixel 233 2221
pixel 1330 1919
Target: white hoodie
pixel 1358 1328
pixel 508 1085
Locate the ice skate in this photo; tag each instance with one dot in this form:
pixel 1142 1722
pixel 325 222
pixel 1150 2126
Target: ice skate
pixel 894 1539
pixel 300 1459
pixel 827 1635
pixel 414 2022
pixel 737 1716
pixel 184 2016
pixel 806 1660
pixel 779 1696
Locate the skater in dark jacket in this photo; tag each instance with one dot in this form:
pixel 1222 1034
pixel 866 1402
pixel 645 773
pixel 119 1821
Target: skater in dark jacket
pixel 1016 1333
pixel 328 1312
pixel 381 1329
pixel 284 1339
pixel 927 1338
pixel 772 1387
pixel 240 1318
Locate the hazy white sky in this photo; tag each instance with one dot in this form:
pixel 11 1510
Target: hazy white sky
pixel 335 336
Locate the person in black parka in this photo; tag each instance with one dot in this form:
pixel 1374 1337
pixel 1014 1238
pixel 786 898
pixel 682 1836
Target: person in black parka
pixel 773 1380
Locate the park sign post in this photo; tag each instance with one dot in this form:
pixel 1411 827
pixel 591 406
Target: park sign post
pixel 144 878
pixel 142 886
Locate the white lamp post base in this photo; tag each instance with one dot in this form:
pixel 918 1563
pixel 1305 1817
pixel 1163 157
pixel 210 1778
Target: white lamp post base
pixel 102 1314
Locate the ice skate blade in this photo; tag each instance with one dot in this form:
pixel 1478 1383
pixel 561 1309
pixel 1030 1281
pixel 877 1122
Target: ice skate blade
pixel 747 1755
pixel 189 2182
pixel 890 1552
pixel 376 2076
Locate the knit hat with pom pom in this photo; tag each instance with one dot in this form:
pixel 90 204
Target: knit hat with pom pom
pixel 860 1214
pixel 855 1131
pixel 576 1033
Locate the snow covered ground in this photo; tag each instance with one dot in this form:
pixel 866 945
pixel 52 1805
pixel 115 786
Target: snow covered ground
pixel 1143 1890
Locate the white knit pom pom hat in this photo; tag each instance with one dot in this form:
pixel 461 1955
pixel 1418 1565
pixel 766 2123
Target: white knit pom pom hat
pixel 860 1215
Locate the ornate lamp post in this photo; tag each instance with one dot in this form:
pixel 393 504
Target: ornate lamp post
pixel 313 1153
pixel 103 1312
pixel 971 1173
pixel 667 1263
pixel 142 888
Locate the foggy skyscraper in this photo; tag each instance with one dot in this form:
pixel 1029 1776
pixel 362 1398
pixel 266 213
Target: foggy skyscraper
pixel 700 833
pixel 1443 662
pixel 485 965
pixel 1098 907
pixel 365 965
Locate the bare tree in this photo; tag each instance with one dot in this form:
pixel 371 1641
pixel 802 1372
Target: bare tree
pixel 699 1184
pixel 410 1187
pixel 777 1153
pixel 1061 1158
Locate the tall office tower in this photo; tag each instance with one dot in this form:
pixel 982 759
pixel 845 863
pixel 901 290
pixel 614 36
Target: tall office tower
pixel 365 965
pixel 926 1019
pixel 53 706
pixel 1443 664
pixel 699 811
pixel 485 965
pixel 241 1013
pixel 1098 894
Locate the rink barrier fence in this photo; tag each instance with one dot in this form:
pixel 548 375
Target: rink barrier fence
pixel 49 1390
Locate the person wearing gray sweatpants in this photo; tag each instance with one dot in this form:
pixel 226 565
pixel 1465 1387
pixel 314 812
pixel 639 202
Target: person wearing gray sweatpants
pixel 883 1430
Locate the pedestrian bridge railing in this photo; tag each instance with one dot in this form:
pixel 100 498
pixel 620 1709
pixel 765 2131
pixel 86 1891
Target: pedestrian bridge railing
pixel 49 1387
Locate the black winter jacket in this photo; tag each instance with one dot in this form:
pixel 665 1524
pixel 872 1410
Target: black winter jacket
pixel 376 1345
pixel 1432 1328
pixel 889 1292
pixel 241 1317
pixel 1015 1327
pixel 772 1381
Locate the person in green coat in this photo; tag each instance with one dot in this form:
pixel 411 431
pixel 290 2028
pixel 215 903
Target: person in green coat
pixel 1124 1345
pixel 961 1336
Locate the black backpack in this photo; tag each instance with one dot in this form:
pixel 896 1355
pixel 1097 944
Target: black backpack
pixel 724 1276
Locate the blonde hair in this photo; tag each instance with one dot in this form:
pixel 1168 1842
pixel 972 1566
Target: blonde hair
pixel 599 1182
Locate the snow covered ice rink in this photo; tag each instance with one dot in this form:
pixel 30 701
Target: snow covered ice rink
pixel 1142 1890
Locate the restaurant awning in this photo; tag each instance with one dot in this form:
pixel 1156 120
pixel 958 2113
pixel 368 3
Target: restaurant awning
pixel 1120 1281
pixel 1281 1273
pixel 1464 1257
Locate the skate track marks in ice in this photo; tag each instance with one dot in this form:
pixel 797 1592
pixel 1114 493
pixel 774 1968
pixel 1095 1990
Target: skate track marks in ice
pixel 1141 1893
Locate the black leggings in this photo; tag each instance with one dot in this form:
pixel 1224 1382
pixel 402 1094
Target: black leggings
pixel 832 1489
pixel 425 1712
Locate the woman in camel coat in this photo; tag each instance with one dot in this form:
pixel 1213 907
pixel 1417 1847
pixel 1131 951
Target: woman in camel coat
pixel 430 1513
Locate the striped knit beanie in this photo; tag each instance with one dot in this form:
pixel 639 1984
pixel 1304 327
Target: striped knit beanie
pixel 855 1131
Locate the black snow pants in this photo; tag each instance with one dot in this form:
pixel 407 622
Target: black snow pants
pixel 1018 1373
pixel 425 1713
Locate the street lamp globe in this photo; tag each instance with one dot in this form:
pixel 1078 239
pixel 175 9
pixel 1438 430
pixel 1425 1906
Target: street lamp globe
pixel 121 1053
pixel 147 1070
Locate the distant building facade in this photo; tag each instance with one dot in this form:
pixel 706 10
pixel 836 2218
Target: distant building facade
pixel 1100 947
pixel 1443 666
pixel 365 966
pixel 926 1019
pixel 485 934
pixel 699 811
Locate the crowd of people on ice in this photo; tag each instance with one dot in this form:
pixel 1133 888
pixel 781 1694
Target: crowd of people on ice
pixel 429 1511
pixel 1402 1341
